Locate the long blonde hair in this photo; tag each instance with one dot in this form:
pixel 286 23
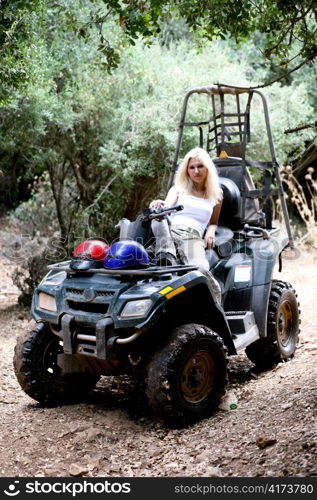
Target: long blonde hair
pixel 213 191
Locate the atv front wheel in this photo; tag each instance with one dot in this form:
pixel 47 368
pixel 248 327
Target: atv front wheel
pixel 39 375
pixel 187 377
pixel 282 328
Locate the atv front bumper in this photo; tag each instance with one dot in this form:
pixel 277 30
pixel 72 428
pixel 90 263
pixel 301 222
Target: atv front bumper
pixel 94 313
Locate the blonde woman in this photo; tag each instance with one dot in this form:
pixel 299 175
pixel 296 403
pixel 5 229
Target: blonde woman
pixel 193 229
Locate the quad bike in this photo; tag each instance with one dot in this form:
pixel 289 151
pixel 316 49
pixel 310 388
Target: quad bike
pixel 163 323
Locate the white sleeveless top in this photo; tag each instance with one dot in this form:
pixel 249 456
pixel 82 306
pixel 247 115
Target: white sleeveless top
pixel 196 214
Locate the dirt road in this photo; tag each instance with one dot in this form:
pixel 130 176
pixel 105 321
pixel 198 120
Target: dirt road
pixel 271 433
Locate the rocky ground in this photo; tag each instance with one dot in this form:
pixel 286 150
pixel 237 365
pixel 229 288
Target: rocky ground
pixel 271 433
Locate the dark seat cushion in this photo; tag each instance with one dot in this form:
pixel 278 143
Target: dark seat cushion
pixel 236 182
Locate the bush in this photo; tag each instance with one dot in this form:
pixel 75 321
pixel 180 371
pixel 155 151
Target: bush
pixel 28 277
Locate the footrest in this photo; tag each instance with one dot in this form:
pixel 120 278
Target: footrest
pixel 240 321
pixel 243 328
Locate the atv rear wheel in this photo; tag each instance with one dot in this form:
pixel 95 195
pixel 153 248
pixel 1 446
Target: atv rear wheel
pixel 37 371
pixel 187 377
pixel 282 328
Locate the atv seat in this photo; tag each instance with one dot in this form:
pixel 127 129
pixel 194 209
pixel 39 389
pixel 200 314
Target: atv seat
pixel 238 206
pixel 223 246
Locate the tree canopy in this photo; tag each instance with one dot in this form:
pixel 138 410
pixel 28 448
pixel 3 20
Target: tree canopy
pixel 284 24
pixel 287 29
pixel 283 31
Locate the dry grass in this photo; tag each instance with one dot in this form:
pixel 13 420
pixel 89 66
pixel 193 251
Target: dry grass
pixel 306 207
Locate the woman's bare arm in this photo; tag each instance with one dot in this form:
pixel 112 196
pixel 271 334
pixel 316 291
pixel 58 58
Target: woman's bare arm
pixel 210 235
pixel 170 200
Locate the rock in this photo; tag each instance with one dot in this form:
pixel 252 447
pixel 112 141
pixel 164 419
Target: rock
pixel 285 406
pixel 212 472
pixel 172 465
pixel 77 470
pixel 264 442
pixel 308 445
pixel 52 471
pixel 204 456
pixel 93 433
pixel 93 462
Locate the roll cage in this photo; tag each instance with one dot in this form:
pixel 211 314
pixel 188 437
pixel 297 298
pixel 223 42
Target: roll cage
pixel 225 135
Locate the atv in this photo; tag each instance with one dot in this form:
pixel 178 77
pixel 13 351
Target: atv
pixel 163 323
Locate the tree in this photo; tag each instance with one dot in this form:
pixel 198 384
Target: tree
pixel 18 39
pixel 284 31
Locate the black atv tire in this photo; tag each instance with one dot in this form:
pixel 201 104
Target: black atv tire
pixel 282 328
pixel 37 371
pixel 187 377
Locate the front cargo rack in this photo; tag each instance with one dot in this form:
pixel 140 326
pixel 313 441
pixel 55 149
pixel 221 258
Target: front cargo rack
pixel 149 271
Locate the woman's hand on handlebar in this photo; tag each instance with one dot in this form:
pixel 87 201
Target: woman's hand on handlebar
pixel 170 201
pixel 157 204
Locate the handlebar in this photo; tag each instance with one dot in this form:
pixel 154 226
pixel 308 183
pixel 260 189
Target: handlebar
pixel 256 232
pixel 157 213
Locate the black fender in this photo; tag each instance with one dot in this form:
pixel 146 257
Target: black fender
pixel 265 255
pixel 190 298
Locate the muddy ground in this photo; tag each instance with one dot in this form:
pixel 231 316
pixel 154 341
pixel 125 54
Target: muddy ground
pixel 271 433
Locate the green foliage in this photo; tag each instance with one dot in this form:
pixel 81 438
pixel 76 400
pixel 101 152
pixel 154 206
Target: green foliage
pixel 287 27
pixel 101 144
pixel 18 43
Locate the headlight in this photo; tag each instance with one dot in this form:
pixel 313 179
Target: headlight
pixel 47 302
pixel 136 308
pixel 54 278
